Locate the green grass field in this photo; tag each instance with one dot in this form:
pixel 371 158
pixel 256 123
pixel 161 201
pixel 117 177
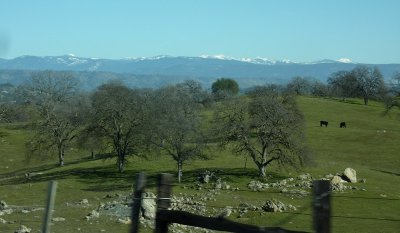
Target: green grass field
pixel 369 144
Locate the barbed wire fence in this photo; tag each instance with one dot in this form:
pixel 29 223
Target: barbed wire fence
pixel 164 201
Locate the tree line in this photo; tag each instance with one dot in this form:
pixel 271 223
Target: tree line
pixel 363 81
pixel 181 121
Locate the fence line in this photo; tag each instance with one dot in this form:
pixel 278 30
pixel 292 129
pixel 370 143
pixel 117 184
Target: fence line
pixel 164 217
pixel 280 192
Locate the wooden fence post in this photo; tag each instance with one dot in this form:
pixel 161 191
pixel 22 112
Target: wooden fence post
pixel 321 206
pixel 163 200
pixel 50 205
pixel 137 201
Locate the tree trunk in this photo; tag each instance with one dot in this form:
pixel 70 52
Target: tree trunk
pixel 179 170
pixel 121 166
pixel 60 156
pixel 365 100
pixel 262 170
pixel 121 163
pixel 93 155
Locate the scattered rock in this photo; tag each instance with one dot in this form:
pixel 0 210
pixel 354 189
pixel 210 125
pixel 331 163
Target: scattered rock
pixel 3 221
pixel 276 206
pixel 350 174
pixel 298 192
pixel 218 184
pixel 3 205
pixel 329 176
pixel 336 180
pixel 23 229
pixel 305 176
pixel 206 176
pixel 304 184
pixel 256 185
pixel 115 208
pixel 225 212
pixel 126 220
pixel 58 219
pixel 6 211
pixel 113 195
pixel 225 185
pixel 83 202
pixel 92 214
pixel 244 207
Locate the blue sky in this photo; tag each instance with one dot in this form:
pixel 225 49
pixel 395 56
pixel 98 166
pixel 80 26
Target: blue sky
pixel 299 30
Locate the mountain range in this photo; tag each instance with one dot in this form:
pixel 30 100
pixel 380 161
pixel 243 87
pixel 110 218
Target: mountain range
pixel 162 70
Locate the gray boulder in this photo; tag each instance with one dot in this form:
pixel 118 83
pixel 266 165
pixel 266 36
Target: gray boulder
pixel 256 185
pixel 276 206
pixel 3 205
pixel 337 180
pixel 350 174
pixel 305 176
pixel 23 229
pixel 92 214
pixel 149 206
pixel 226 212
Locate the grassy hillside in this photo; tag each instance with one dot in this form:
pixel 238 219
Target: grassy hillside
pixel 369 144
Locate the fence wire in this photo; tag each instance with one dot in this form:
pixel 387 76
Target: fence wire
pixel 302 210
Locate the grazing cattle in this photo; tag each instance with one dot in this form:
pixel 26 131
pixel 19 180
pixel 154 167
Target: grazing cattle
pixel 321 123
pixel 342 124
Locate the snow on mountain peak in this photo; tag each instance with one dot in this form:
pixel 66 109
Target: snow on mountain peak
pixel 257 60
pixel 344 60
pixel 217 56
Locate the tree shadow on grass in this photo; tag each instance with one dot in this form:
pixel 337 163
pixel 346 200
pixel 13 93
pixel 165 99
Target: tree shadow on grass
pixel 348 101
pixel 99 178
pixel 106 178
pixel 50 166
pixel 387 172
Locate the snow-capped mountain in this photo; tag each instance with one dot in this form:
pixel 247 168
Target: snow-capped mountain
pixel 247 71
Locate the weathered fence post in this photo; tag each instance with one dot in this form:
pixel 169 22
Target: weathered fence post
pixel 50 205
pixel 163 200
pixel 321 206
pixel 137 201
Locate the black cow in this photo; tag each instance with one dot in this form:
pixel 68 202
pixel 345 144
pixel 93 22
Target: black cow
pixel 321 123
pixel 342 124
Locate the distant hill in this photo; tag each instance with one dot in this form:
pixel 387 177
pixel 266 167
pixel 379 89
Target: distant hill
pixel 162 70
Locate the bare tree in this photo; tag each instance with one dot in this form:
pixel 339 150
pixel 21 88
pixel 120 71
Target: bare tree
pixel 344 84
pixel 299 85
pixel 319 89
pixel 176 125
pixel 370 82
pixel 268 128
pixel 57 121
pixel 119 114
pixel 89 137
pixel 194 90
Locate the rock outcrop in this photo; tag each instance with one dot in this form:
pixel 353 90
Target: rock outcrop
pixel 350 174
